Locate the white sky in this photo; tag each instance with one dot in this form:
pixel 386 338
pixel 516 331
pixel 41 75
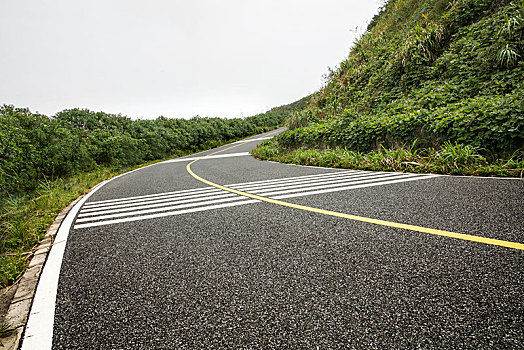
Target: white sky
pixel 175 58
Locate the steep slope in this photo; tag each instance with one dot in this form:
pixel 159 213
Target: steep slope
pixel 429 73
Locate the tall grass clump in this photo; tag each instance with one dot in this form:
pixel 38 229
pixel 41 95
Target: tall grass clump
pixel 24 219
pixel 457 159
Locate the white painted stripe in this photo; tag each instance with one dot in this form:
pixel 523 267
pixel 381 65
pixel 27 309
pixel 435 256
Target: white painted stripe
pixel 301 194
pixel 39 329
pixel 292 189
pixel 182 192
pixel 147 211
pixel 251 140
pixel 294 178
pixel 38 333
pixel 312 182
pixel 161 215
pixel 152 201
pixel 339 184
pixel 226 155
pixel 166 203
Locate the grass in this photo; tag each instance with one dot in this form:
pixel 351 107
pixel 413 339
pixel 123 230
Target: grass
pixel 24 220
pixel 451 158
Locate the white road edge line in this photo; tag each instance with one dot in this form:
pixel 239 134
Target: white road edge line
pixel 38 333
pixel 39 327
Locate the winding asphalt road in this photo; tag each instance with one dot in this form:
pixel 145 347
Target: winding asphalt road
pixel 157 259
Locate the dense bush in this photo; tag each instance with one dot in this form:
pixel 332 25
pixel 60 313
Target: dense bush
pixel 34 147
pixel 427 70
pixel 492 123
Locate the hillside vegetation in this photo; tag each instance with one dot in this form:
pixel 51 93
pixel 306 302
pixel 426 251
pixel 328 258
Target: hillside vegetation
pixel 46 162
pixel 439 80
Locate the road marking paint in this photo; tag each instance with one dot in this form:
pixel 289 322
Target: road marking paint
pixel 168 198
pixel 38 333
pixel 251 140
pixel 193 193
pixel 155 210
pixel 164 203
pixel 277 191
pixel 336 186
pixel 297 178
pixel 320 183
pixel 161 215
pixel 415 228
pixel 228 155
pixel 352 187
pixel 152 196
pixel 162 198
pixel 284 182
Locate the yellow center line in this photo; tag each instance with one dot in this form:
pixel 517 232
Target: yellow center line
pixel 431 231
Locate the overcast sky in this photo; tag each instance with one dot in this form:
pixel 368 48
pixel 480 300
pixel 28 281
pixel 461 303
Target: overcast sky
pixel 176 58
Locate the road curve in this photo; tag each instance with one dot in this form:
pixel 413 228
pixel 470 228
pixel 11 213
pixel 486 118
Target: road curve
pixel 157 259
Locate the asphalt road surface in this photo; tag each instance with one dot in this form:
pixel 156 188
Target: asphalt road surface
pixel 156 259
